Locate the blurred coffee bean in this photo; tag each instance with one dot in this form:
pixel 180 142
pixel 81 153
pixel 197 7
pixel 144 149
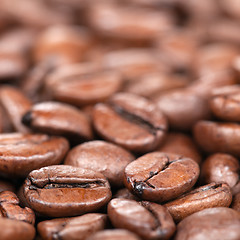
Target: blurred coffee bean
pixel 212 223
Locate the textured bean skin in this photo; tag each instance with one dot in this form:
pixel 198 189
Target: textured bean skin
pixel 160 176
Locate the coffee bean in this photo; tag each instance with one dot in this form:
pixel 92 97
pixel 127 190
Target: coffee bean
pixel 9 208
pixel 130 121
pixel 181 144
pixel 83 84
pixel 16 105
pixel 125 193
pixel 107 158
pixel 113 234
pixel 218 137
pixel 225 103
pixel 72 228
pixel 58 119
pixel 212 223
pixel 146 219
pixel 18 230
pixel 60 191
pixel 220 167
pixel 183 108
pixel 6 186
pixel 160 177
pixel 22 153
pixel 208 196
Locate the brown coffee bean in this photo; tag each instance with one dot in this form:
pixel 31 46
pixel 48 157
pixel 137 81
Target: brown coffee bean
pixel 181 144
pixel 218 137
pixel 130 121
pixel 72 228
pixel 208 196
pixel 224 103
pixel 236 202
pixel 213 223
pixel 152 84
pixel 132 63
pixel 18 230
pixel 67 44
pixel 231 7
pixel 15 105
pixel 183 108
pixel 9 208
pixel 220 167
pixel 104 157
pixel 134 24
pixel 114 234
pixel 146 219
pixel 159 176
pixel 83 85
pixel 213 58
pixel 61 190
pixel 58 119
pixel 204 85
pixel 20 154
pixel 236 189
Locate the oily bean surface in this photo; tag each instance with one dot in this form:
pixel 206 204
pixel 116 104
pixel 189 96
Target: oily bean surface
pixel 160 177
pixel 61 190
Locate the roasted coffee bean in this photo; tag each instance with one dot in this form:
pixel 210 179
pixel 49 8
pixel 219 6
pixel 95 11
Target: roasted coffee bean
pixel 181 144
pixel 213 223
pixel 134 24
pixel 130 121
pixel 104 157
pixel 18 230
pixel 152 84
pixel 218 137
pixel 225 103
pixel 114 234
pixel 236 202
pixel 9 208
pixel 58 119
pixel 132 63
pixel 72 228
pixel 183 108
pixel 213 58
pixel 83 84
pixel 160 177
pixel 220 167
pixel 22 153
pixel 60 191
pixel 16 105
pixel 146 219
pixel 208 196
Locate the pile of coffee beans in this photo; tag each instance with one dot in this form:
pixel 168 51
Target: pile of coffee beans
pixel 119 119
